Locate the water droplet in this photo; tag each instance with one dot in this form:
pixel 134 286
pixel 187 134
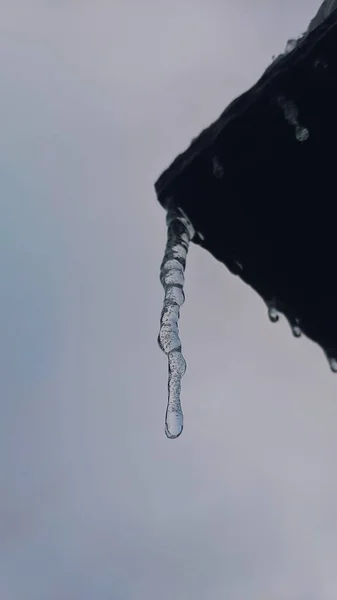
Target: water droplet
pixel 290 111
pixel 180 232
pixel 296 329
pixel 302 133
pixel 273 314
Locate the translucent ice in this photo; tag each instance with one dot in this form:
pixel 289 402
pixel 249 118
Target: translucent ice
pixel 301 133
pixel 295 325
pixel 179 234
pixel 290 46
pixel 290 111
pixel 296 328
pixel 272 312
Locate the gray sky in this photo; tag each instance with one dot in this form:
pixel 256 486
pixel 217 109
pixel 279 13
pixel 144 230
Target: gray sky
pixel 97 97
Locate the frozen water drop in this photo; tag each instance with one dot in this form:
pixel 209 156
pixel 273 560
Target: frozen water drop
pixel 179 234
pixel 273 316
pixel 291 45
pixel 290 111
pixel 333 364
pixel 272 313
pixel 174 423
pixel 302 133
pixel 296 329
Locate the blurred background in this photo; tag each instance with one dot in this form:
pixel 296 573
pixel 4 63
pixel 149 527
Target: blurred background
pixel 97 98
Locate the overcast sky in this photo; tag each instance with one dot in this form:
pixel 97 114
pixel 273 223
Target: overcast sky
pixel 97 98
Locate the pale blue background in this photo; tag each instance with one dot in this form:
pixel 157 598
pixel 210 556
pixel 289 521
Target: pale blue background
pixel 97 97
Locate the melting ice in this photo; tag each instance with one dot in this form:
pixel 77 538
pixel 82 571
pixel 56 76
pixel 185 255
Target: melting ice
pixel 179 234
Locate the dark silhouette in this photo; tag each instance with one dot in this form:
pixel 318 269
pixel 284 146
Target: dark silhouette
pixel 260 184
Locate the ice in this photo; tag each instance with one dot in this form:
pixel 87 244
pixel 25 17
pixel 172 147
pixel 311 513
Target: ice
pixel 295 325
pixel 179 234
pixel 272 312
pixel 296 329
pixel 290 111
pixel 301 133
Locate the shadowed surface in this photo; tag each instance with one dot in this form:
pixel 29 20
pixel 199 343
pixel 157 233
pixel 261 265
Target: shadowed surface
pixel 258 185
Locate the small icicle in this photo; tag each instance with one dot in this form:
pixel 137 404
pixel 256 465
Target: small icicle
pixel 333 364
pixel 331 355
pixel 296 329
pixel 291 45
pixel 291 115
pixel 218 170
pixel 180 233
pixel 272 312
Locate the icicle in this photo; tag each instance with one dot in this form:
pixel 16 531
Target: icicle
pixel 218 170
pixel 291 115
pixel 296 329
pixel 179 234
pixel 272 311
pixel 301 133
pixel 295 326
pixel 272 314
